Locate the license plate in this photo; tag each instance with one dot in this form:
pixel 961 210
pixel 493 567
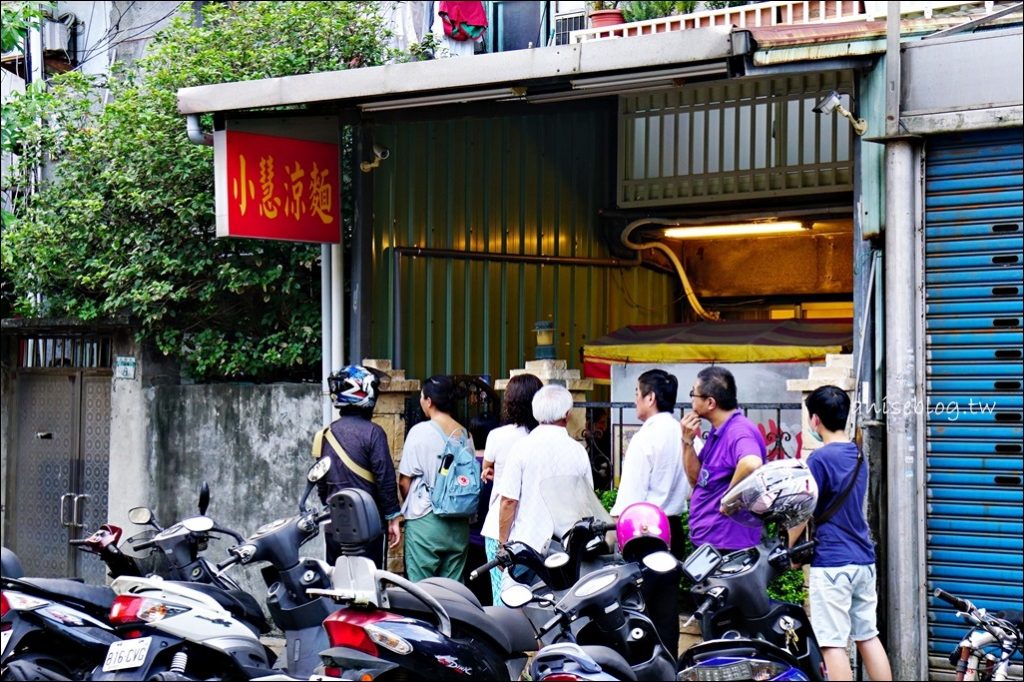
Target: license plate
pixel 5 637
pixel 127 654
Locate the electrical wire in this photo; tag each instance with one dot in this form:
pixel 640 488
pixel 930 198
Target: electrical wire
pixel 691 295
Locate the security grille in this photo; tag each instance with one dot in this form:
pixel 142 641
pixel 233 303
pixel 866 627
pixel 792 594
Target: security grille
pixel 733 139
pixel 82 352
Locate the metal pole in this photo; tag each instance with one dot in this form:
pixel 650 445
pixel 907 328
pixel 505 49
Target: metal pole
pixel 904 560
pixel 337 308
pixel 325 328
pixel 904 544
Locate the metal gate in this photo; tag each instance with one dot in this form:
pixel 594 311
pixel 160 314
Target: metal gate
pixel 973 303
pixel 60 469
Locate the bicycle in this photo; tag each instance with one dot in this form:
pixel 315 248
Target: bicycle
pixel 973 657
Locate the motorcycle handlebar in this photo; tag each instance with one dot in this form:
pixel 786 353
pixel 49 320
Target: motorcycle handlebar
pixel 702 609
pixel 953 600
pixel 145 544
pixel 483 570
pixel 227 531
pixel 78 543
pixel 230 561
pixel 602 527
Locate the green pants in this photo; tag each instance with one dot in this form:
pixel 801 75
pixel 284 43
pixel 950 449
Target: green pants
pixel 435 547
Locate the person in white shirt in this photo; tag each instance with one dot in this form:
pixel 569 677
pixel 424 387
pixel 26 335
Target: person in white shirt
pixel 517 419
pixel 548 451
pixel 652 470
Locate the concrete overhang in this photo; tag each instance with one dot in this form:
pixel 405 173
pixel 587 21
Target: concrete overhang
pixel 547 69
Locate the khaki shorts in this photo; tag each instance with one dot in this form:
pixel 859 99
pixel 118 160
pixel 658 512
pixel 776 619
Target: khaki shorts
pixel 843 604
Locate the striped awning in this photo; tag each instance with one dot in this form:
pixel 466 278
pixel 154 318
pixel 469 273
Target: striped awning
pixel 728 341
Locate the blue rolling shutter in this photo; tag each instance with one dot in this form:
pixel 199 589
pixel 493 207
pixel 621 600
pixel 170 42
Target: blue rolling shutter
pixel 974 309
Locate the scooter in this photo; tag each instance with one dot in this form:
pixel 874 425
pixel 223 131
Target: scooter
pixel 55 628
pixel 180 631
pixel 748 635
pixel 601 631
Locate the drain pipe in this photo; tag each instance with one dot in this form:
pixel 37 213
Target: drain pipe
pixel 196 135
pixel 325 331
pixel 691 295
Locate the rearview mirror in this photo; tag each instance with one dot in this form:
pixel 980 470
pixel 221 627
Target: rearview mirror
pixel 198 524
pixel 516 596
pixel 140 515
pixel 556 560
pixel 660 562
pixel 204 498
pixel 319 469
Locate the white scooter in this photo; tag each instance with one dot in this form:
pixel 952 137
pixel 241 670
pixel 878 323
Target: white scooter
pixel 179 631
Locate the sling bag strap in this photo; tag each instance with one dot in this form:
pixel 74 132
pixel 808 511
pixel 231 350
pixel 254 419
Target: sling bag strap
pixel 838 502
pixel 360 471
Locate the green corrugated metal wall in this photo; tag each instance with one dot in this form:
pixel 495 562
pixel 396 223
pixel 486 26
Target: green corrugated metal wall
pixel 522 184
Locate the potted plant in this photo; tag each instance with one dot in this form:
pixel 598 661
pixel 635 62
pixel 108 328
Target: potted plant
pixel 655 9
pixel 604 14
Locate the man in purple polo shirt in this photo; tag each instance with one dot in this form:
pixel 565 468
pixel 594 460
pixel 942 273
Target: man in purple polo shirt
pixel 733 450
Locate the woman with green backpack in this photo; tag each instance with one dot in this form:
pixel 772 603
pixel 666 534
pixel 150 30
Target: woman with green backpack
pixel 439 486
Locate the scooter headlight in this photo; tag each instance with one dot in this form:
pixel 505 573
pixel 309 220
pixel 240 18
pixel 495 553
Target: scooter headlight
pixel 735 669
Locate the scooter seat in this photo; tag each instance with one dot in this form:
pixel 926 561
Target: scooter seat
pixel 507 632
pixel 241 605
pixel 92 598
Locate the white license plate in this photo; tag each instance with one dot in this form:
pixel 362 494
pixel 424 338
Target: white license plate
pixel 5 637
pixel 127 654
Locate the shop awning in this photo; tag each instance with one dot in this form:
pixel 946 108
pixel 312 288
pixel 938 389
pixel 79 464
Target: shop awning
pixel 708 342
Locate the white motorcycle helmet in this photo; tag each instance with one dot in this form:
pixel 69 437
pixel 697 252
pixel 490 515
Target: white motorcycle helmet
pixel 782 491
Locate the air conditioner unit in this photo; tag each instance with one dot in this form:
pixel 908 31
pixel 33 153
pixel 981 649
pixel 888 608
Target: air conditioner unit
pixel 56 36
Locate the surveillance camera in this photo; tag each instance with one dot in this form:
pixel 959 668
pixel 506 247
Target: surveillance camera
pixel 381 152
pixel 828 103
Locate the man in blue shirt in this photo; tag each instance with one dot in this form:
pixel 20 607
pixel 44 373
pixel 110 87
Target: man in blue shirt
pixel 842 575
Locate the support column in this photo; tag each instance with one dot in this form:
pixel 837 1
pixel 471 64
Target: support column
pixel 904 470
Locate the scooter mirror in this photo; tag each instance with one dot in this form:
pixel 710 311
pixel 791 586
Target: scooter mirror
pixel 198 524
pixel 556 560
pixel 204 498
pixel 140 515
pixel 516 596
pixel 319 469
pixel 660 562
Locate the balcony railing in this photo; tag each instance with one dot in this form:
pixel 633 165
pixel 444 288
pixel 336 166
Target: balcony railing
pixel 775 13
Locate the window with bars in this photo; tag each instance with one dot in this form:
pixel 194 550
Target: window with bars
pixel 718 141
pixel 76 351
pixel 566 24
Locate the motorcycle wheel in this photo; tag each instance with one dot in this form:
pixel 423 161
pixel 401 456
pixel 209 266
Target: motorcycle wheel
pixel 35 667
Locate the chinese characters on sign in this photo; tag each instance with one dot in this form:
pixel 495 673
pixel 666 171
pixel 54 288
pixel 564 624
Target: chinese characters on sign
pixel 277 188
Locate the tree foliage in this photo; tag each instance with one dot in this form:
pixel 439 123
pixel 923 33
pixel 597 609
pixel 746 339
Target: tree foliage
pixel 124 224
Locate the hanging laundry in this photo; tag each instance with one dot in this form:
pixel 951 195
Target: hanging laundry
pixel 463 20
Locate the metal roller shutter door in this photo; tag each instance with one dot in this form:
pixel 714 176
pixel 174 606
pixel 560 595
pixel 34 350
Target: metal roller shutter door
pixel 974 309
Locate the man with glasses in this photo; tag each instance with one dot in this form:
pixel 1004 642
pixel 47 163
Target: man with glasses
pixel 732 451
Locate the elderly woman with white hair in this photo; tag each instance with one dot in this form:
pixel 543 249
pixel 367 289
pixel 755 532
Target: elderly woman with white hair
pixel 547 451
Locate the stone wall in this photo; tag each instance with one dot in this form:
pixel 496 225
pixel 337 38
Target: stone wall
pixel 251 443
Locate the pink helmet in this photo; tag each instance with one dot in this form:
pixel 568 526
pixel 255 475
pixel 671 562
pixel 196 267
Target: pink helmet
pixel 642 528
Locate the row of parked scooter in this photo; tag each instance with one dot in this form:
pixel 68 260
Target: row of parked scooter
pixel 590 613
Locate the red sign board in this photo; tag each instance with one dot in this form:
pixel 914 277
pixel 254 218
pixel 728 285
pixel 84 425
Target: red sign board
pixel 271 187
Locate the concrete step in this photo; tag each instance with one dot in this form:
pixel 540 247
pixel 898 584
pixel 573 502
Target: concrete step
pixel 839 360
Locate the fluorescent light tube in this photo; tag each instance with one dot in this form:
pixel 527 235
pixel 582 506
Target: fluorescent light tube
pixel 449 98
pixel 734 230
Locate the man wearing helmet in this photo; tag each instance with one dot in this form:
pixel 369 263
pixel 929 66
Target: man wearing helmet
pixel 652 470
pixel 733 450
pixel 360 457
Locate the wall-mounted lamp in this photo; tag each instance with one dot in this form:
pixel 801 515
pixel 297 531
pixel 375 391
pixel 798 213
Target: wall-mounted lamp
pixel 735 230
pixel 380 153
pixel 545 331
pixel 831 102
